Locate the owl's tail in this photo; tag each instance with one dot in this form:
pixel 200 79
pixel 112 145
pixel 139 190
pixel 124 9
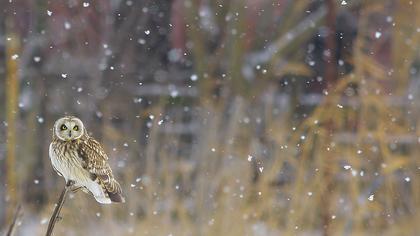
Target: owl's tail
pixel 116 197
pixel 112 188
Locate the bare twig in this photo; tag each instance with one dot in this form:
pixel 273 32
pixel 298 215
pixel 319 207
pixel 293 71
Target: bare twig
pixel 58 207
pixel 17 216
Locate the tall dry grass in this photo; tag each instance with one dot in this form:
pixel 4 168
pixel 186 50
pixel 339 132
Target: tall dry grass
pixel 349 168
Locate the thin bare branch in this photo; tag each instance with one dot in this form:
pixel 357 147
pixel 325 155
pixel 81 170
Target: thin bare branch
pixel 16 218
pixel 59 205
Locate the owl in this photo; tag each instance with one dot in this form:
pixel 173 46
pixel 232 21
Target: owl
pixel 81 160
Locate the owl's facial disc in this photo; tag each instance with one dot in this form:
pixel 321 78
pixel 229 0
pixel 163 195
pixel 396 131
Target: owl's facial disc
pixel 69 128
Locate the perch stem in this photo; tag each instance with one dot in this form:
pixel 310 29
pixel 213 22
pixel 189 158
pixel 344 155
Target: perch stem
pixel 57 209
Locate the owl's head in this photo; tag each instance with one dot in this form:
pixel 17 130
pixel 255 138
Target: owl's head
pixel 69 128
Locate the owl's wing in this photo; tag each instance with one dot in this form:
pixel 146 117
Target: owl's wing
pixel 96 163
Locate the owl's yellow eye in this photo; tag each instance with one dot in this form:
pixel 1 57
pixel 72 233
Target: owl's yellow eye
pixel 63 127
pixel 76 128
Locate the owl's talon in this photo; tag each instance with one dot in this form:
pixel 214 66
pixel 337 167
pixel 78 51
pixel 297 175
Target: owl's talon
pixel 74 190
pixel 70 183
pixel 59 218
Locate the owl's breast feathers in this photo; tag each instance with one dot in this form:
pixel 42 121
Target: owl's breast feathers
pixel 84 161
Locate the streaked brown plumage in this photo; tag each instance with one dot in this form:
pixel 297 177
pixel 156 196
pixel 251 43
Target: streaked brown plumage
pixel 78 157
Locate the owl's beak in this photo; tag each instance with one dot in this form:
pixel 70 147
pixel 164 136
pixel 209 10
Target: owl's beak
pixel 69 134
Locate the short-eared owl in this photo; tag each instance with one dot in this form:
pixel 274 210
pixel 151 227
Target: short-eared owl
pixel 82 160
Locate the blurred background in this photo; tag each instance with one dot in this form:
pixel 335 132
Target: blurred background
pixel 220 117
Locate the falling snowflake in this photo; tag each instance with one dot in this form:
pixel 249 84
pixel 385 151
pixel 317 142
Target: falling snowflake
pixel 410 96
pixel 67 25
pixel 137 100
pixel 174 93
pixel 194 77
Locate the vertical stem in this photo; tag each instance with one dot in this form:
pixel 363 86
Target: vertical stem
pixel 12 91
pixel 238 83
pixel 199 51
pixel 330 77
pixel 330 45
